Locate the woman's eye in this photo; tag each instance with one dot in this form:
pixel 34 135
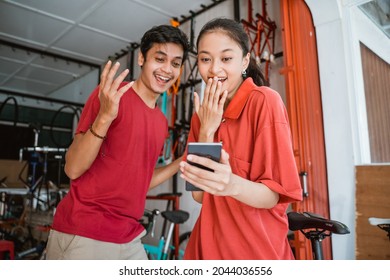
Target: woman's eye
pixel 205 59
pixel 226 59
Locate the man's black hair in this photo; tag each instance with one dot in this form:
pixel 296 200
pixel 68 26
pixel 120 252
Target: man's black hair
pixel 163 34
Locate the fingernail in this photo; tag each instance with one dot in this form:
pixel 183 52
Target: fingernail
pixel 189 157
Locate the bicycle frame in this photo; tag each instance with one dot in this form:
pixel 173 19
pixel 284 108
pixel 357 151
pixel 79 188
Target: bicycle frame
pixel 164 250
pixel 156 252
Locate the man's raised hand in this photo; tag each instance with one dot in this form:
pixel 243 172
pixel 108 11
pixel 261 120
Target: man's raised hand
pixel 109 94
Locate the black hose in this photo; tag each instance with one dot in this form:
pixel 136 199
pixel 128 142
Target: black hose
pixel 16 108
pixel 75 113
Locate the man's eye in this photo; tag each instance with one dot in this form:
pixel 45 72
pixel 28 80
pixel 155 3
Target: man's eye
pixel 159 59
pixel 176 64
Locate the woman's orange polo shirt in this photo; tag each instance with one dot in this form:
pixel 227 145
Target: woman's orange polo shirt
pixel 255 132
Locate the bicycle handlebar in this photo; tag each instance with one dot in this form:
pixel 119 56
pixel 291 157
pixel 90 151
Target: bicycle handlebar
pixel 151 220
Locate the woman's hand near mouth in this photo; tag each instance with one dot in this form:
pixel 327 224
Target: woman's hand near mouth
pixel 210 112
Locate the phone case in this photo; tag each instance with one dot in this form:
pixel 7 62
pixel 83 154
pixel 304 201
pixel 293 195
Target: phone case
pixel 210 150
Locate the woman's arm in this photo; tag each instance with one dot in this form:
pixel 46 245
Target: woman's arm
pixel 222 182
pixel 210 115
pixel 211 110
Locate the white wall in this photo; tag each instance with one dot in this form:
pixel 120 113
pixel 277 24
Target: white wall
pixel 340 26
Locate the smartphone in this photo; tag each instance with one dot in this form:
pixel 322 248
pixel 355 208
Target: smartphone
pixel 209 150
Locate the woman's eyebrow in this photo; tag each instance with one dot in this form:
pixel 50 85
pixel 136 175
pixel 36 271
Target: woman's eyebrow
pixel 225 50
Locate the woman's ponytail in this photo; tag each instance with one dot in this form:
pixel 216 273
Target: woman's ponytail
pixel 255 73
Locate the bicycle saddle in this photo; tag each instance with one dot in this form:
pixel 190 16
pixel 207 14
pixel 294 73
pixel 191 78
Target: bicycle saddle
pixel 306 220
pixel 379 221
pixel 176 216
pixel 169 194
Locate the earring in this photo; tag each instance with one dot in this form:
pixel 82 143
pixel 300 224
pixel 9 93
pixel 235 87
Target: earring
pixel 243 73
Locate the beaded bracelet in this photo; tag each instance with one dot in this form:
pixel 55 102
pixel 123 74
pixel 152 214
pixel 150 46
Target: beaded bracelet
pixel 95 134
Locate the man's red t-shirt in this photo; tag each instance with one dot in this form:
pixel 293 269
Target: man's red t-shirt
pixel 106 202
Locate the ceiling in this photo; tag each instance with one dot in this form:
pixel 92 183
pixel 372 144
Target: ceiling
pixel 46 44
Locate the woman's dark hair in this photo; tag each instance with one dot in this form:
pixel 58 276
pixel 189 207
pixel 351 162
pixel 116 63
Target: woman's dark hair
pixel 236 32
pixel 163 34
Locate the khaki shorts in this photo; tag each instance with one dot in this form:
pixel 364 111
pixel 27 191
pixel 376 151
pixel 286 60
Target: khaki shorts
pixel 63 246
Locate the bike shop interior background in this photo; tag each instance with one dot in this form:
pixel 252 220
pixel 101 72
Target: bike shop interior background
pixel 51 53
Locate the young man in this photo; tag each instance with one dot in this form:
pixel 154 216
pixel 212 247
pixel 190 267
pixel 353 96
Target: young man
pixel 111 162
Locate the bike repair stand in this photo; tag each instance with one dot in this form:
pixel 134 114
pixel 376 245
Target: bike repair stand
pixel 43 179
pixel 34 162
pixel 43 205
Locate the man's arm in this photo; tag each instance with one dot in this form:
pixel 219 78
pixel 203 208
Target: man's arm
pixel 163 173
pixel 85 146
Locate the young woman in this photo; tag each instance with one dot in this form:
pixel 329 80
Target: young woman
pixel 244 201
